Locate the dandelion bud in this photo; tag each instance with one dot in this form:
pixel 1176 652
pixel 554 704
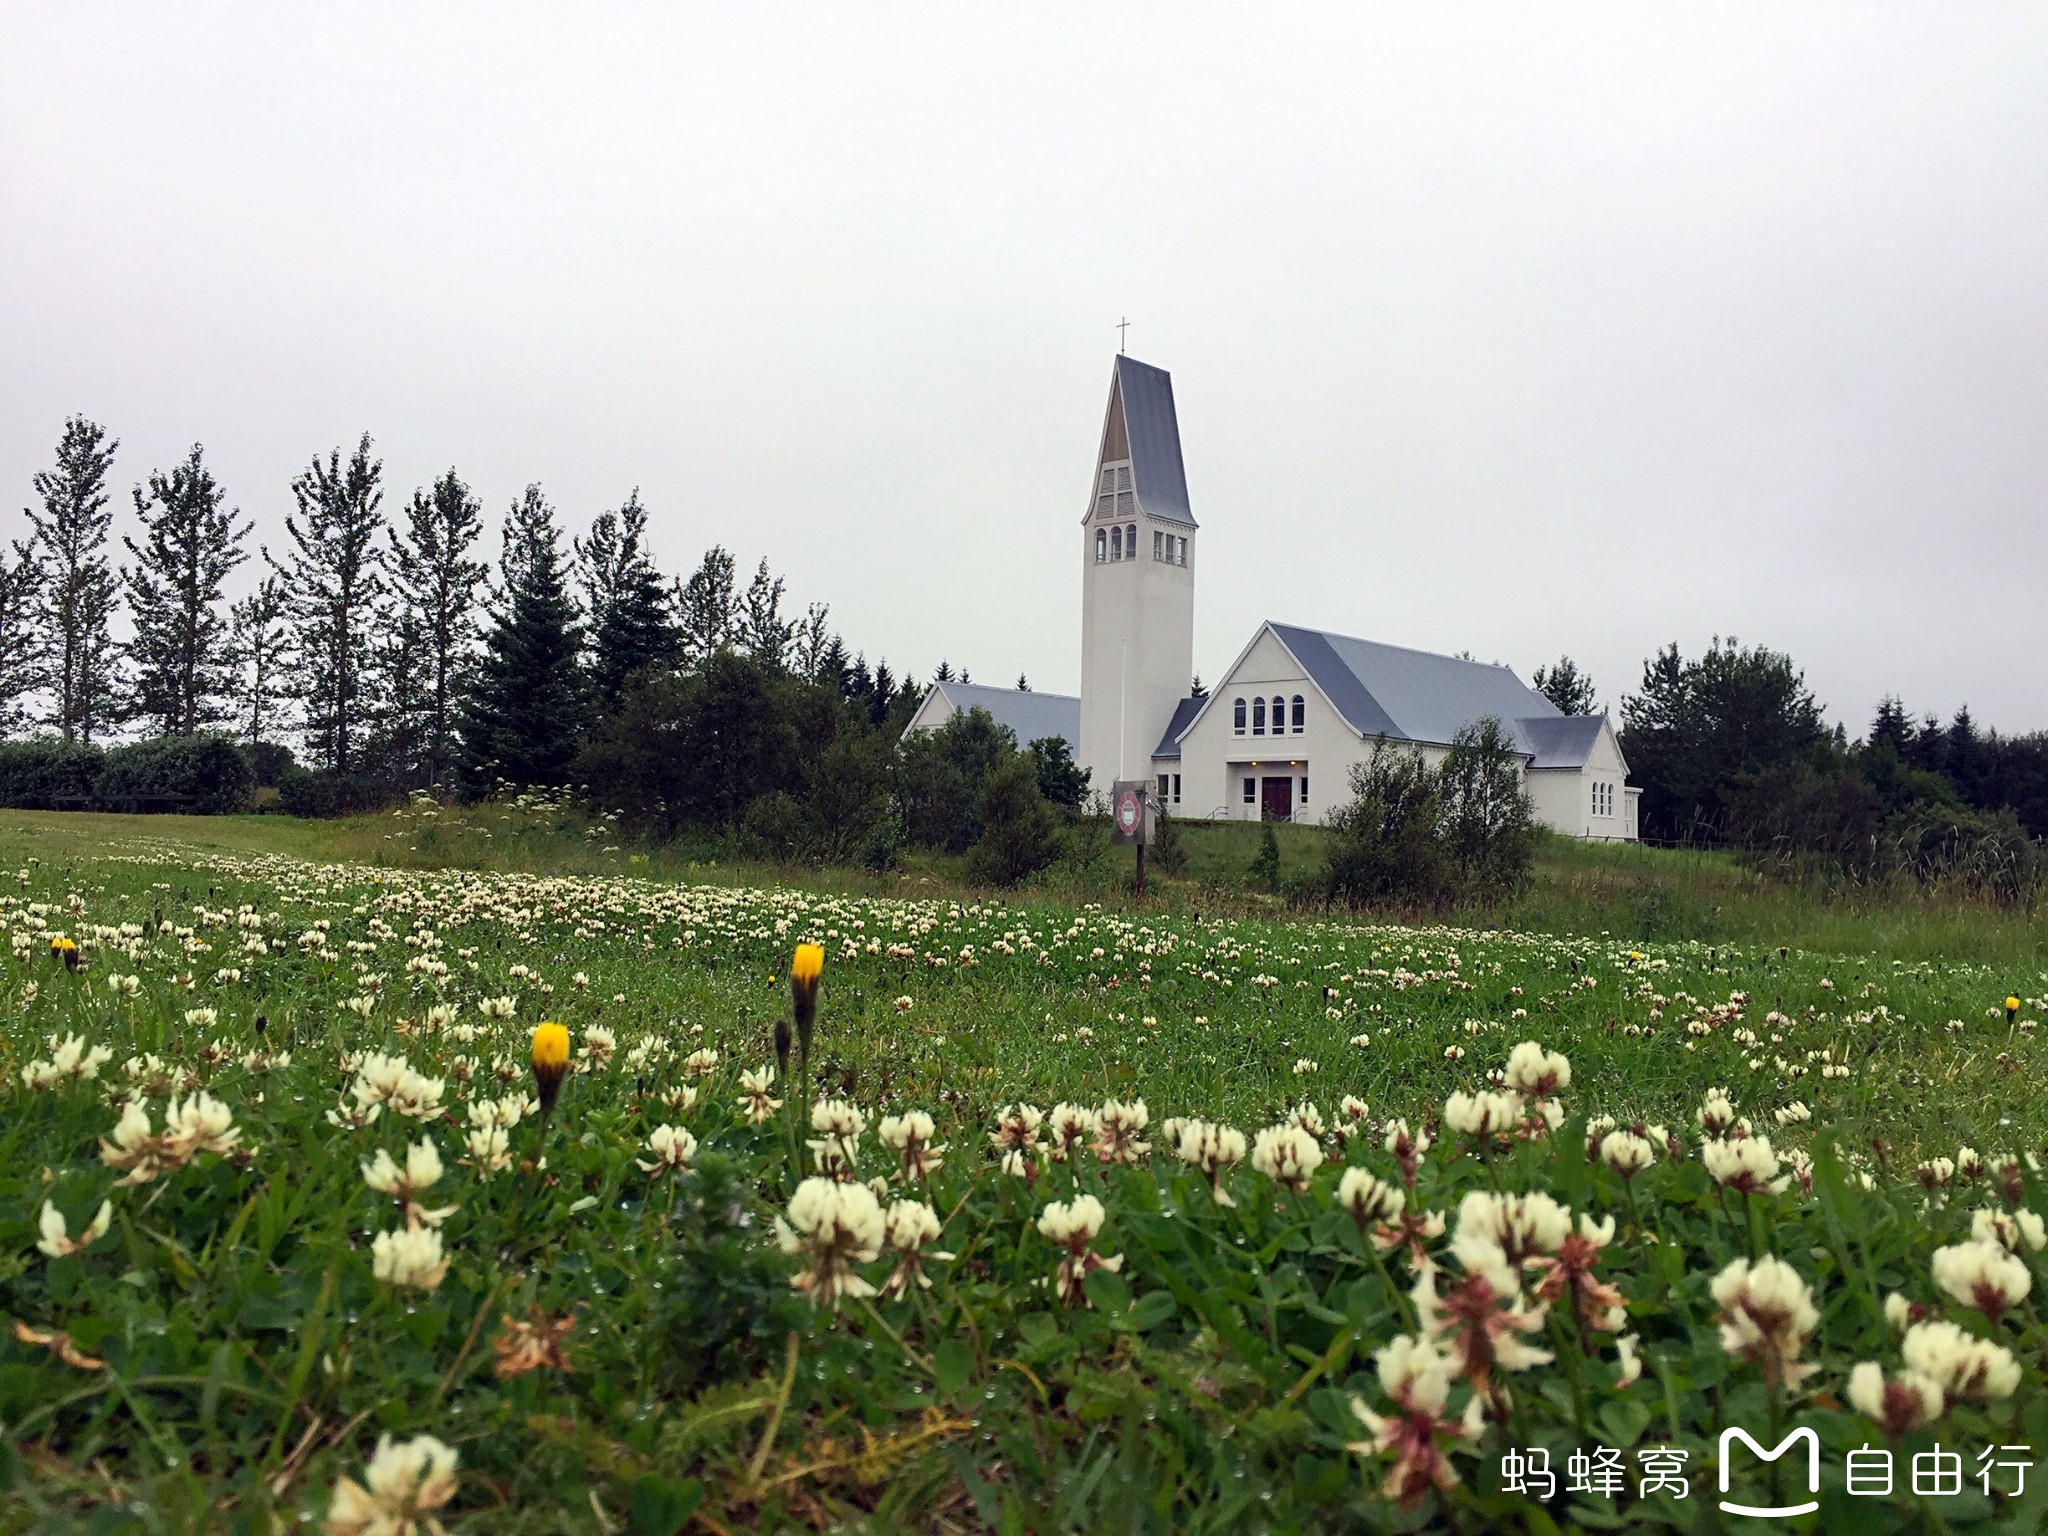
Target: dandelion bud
pixel 804 969
pixel 782 1044
pixel 550 1061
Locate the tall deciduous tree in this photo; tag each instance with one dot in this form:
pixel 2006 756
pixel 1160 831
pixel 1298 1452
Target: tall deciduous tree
pixel 190 545
pixel 434 583
pixel 625 603
pixel 1567 687
pixel 706 609
pixel 522 717
pixel 79 597
pixel 21 636
pixel 763 631
pixel 334 579
pixel 259 638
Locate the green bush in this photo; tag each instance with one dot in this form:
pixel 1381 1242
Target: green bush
pixel 201 775
pixel 1020 831
pixel 44 773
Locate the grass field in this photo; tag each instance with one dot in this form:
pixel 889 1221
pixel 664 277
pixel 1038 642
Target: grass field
pixel 590 1311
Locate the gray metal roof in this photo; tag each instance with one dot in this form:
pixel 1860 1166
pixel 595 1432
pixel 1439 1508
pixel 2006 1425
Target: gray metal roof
pixel 1157 474
pixel 1388 690
pixel 1183 716
pixel 1559 741
pixel 1030 716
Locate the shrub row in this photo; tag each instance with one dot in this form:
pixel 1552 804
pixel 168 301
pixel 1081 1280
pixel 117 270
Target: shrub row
pixel 199 775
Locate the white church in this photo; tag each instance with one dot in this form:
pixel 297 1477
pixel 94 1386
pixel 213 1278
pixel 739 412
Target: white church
pixel 1276 737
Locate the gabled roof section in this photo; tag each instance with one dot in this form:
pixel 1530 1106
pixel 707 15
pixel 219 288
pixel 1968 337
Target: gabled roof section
pixel 1559 741
pixel 1183 716
pixel 1031 716
pixel 1141 425
pixel 1389 690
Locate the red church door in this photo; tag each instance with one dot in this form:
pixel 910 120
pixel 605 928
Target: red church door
pixel 1276 799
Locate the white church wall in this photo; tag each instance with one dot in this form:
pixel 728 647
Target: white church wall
pixel 1215 760
pixel 1565 798
pixel 1137 651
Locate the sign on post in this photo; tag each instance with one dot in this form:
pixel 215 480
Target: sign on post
pixel 1131 811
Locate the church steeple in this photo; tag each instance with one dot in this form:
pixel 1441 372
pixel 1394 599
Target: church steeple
pixel 1137 606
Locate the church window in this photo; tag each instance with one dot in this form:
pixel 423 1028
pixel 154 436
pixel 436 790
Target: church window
pixel 1116 543
pixel 1251 791
pixel 1300 718
pixel 1258 717
pixel 1176 789
pixel 1279 716
pixel 1163 779
pixel 1304 789
pixel 1158 545
pixel 1131 541
pixel 1237 716
pixel 1101 545
pixel 1182 557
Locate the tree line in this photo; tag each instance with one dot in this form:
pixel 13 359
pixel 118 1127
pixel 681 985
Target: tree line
pixel 1732 749
pixel 391 654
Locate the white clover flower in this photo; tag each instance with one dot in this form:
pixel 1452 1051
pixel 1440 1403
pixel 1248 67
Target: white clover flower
pixel 498 1008
pixel 1962 1365
pixel 1287 1155
pixel 1119 1132
pixel 490 1150
pixel 1368 1199
pixel 672 1146
pixel 421 1172
pixel 1626 1153
pixel 1214 1149
pixel 1746 1164
pixel 1908 1402
pixel 1982 1274
pixel 1767 1314
pixel 1716 1114
pixel 405 1483
pixel 56 1240
pixel 198 1124
pixel 70 1062
pixel 410 1256
pixel 1075 1221
pixel 754 1085
pixel 1536 1073
pixel 909 1228
pixel 701 1062
pixel 2009 1230
pixel 1519 1227
pixel 836 1226
pixel 909 1136
pixel 1482 1114
pixel 1072 1127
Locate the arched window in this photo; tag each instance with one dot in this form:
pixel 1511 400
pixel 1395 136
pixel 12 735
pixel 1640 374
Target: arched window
pixel 1237 716
pixel 1116 543
pixel 1300 716
pixel 1279 716
pixel 1101 545
pixel 1131 541
pixel 1258 717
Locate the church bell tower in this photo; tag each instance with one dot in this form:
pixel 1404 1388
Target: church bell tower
pixel 1137 580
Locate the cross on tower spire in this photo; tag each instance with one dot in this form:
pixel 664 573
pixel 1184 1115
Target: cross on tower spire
pixel 1121 327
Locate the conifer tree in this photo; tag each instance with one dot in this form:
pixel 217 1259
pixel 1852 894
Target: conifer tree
pixel 625 604
pixel 706 610
pixel 333 582
pixel 522 717
pixel 21 637
pixel 79 595
pixel 433 633
pixel 260 647
pixel 190 545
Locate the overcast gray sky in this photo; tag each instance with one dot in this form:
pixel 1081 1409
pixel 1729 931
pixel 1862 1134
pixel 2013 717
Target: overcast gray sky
pixel 1521 330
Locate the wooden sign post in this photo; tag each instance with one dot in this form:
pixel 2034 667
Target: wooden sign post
pixel 1130 805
